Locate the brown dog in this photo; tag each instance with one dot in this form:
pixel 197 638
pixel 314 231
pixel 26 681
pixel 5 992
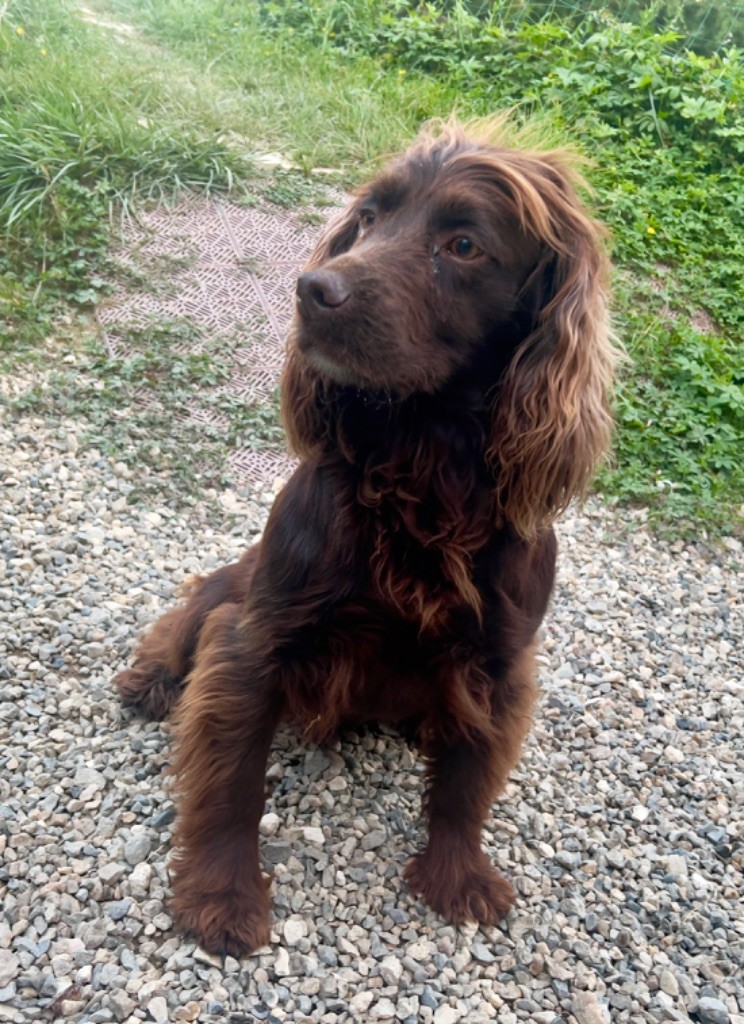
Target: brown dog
pixel 446 391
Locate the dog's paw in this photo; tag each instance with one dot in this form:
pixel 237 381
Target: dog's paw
pixel 474 892
pixel 153 692
pixel 224 924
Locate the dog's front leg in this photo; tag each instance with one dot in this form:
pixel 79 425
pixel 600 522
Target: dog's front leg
pixel 225 724
pixel 254 661
pixel 465 773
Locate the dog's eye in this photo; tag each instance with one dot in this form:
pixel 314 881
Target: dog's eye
pixel 463 248
pixel 366 217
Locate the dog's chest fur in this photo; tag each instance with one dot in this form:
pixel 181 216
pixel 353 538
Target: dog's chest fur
pixel 429 511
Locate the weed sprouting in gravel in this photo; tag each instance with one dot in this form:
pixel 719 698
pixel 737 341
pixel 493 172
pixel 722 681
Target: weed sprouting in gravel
pixel 136 408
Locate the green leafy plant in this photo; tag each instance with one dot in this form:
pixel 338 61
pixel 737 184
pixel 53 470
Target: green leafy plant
pixel 663 128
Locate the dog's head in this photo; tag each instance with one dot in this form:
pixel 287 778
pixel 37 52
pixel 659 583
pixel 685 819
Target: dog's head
pixel 467 261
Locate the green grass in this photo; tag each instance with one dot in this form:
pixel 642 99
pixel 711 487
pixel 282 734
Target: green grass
pixel 680 419
pixel 203 84
pixel 88 128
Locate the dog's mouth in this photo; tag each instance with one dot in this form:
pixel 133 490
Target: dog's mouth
pixel 331 368
pixel 326 351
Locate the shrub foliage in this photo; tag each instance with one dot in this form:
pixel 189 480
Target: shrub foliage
pixel 664 130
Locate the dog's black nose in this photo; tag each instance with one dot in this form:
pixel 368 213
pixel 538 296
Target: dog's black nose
pixel 322 290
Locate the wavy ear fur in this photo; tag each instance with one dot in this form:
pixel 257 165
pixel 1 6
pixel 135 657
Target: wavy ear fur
pixel 337 237
pixel 551 417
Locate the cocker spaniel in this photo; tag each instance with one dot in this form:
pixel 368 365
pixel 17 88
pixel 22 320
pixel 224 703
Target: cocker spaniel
pixel 446 391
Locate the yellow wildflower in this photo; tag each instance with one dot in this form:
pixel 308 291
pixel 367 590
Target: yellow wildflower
pixel 43 52
pixel 402 71
pixel 650 230
pixel 20 31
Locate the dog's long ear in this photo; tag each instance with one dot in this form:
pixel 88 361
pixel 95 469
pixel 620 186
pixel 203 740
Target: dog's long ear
pixel 338 237
pixel 551 417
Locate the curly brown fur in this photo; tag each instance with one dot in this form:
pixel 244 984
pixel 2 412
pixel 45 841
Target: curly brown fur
pixel 446 392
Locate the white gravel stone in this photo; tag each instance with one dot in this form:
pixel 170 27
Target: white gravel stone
pixel 294 930
pixel 447 1015
pixel 383 1009
pixel 391 970
pixel 270 824
pixel 139 880
pixel 676 864
pixel 111 873
pixel 121 1004
pixel 422 950
pixel 313 835
pixel 361 1001
pixel 86 777
pixel 668 983
pixel 587 1009
pixel 281 963
pixel 158 1009
pixel 136 849
pixel 8 966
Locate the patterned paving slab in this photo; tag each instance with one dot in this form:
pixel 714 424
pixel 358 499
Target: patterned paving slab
pixel 231 271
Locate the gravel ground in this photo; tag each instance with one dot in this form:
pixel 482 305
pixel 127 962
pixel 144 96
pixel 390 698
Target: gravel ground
pixel 620 829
